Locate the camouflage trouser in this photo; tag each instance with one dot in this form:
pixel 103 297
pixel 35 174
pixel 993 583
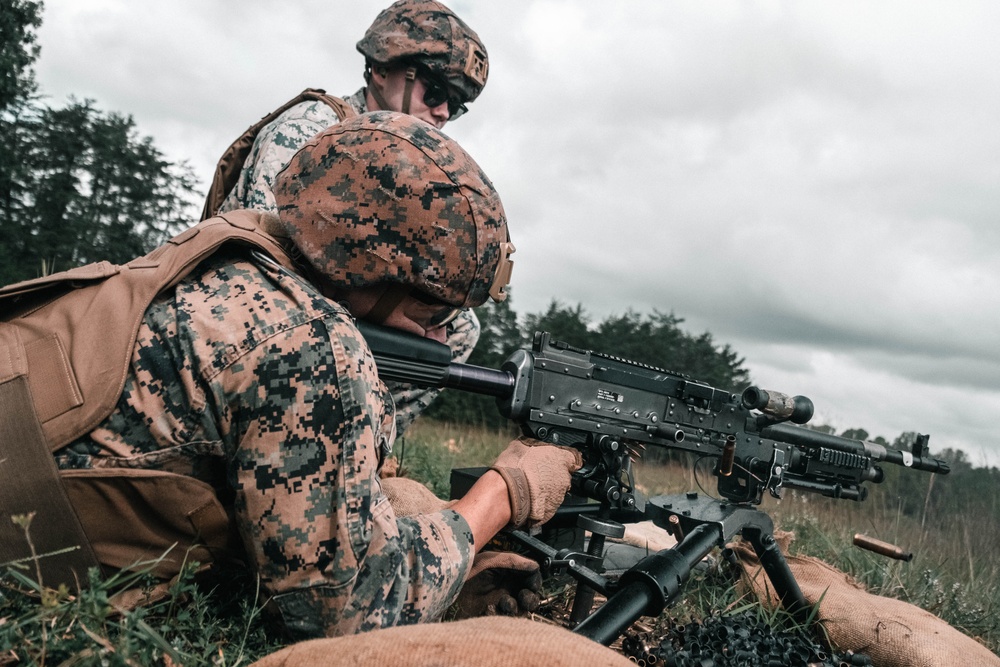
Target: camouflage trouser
pixel 463 334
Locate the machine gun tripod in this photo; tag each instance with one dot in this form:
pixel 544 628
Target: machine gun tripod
pixel 654 582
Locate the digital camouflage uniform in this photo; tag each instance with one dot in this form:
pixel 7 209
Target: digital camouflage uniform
pixel 272 150
pixel 245 377
pixel 275 146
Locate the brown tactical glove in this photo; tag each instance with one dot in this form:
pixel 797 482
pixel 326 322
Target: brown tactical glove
pixel 408 496
pixel 537 477
pixel 500 583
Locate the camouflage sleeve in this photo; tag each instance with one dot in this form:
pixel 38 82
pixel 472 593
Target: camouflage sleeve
pixel 246 378
pixel 271 151
pixel 463 334
pixel 307 417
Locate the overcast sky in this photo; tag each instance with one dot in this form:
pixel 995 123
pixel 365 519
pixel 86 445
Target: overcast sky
pixel 816 184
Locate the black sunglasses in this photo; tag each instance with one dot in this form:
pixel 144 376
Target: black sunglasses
pixel 436 93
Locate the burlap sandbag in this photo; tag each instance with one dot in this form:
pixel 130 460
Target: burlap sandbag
pixel 892 632
pixel 647 535
pixel 478 642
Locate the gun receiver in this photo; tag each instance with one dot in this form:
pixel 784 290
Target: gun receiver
pixel 605 406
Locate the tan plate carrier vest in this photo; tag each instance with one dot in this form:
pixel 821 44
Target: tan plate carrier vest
pixel 227 172
pixel 66 341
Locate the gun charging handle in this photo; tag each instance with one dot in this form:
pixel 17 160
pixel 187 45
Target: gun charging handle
pixel 796 409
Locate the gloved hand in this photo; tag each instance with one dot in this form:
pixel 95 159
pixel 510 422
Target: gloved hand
pixel 500 583
pixel 408 496
pixel 537 477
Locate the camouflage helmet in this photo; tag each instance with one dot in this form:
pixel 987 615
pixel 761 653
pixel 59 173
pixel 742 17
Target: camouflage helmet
pixel 387 198
pixel 430 34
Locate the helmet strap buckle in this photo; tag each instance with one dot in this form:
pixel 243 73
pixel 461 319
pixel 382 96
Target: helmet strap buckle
pixel 498 290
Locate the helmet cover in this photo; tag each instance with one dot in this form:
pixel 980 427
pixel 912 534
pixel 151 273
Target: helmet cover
pixel 430 34
pixel 387 198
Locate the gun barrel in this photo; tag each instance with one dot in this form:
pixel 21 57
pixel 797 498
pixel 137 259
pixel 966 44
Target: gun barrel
pixel 919 462
pixel 797 435
pixel 804 437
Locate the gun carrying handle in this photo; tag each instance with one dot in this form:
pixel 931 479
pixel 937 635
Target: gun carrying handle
pixel 796 409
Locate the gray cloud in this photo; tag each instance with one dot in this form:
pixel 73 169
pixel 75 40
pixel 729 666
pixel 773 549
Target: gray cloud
pixel 815 184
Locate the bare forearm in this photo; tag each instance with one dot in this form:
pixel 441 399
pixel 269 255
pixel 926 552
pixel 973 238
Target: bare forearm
pixel 486 508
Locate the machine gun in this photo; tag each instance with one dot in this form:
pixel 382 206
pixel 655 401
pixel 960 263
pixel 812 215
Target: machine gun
pixel 604 406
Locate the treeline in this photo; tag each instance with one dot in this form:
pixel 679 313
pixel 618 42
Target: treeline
pixel 659 340
pixel 77 185
pixel 968 494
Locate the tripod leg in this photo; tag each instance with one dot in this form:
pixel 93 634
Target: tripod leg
pixel 776 567
pixel 600 527
pixel 583 600
pixel 649 586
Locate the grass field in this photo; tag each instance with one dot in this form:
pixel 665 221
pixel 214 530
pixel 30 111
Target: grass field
pixel 219 621
pixel 953 573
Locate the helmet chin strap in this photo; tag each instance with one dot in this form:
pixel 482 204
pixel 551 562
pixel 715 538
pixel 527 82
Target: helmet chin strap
pixel 411 76
pixel 387 302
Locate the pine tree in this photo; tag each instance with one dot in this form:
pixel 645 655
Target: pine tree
pixel 77 185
